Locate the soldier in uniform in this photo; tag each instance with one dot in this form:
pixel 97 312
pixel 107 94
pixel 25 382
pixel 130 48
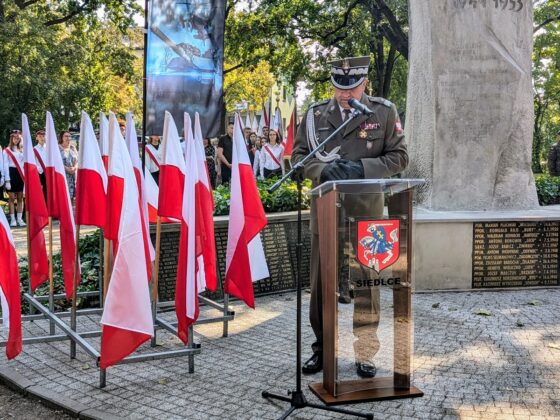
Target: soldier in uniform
pixel 371 147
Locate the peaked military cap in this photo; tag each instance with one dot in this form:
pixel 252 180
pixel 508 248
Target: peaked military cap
pixel 349 72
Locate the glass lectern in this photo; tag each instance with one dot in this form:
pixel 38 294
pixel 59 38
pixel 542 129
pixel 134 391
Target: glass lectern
pixel 365 242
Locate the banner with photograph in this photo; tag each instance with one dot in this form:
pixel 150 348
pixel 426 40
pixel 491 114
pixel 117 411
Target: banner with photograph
pixel 185 63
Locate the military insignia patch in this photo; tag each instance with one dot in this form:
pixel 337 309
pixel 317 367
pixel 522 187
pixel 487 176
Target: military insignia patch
pixel 398 127
pixel 362 134
pixel 378 243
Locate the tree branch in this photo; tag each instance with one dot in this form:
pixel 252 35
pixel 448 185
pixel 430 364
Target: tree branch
pixel 393 32
pixel 233 68
pixel 69 16
pixel 23 4
pixel 546 22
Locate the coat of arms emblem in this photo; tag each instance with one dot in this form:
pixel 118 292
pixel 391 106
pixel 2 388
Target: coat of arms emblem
pixel 378 243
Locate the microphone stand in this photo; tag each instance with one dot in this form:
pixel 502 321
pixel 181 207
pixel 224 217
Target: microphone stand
pixel 296 397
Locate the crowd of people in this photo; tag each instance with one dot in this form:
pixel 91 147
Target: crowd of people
pixel 265 152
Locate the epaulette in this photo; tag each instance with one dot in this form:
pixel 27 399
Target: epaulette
pixel 326 101
pixel 381 101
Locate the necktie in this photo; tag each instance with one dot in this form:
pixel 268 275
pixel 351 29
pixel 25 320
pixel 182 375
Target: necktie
pixel 345 115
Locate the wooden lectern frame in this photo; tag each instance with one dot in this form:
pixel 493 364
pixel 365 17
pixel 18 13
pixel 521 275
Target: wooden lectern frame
pixel 329 201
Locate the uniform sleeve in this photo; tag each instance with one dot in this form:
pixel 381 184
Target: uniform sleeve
pixel 394 157
pixel 313 167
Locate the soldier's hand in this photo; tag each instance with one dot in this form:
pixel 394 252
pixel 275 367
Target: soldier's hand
pixel 332 172
pixel 297 174
pixel 353 170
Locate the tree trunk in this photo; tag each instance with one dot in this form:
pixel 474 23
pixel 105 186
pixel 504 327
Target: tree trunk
pixel 540 109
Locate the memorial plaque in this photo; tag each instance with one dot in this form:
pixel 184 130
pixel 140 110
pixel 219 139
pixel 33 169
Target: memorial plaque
pixel 516 254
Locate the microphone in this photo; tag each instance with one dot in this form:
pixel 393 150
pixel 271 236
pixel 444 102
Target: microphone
pixel 358 106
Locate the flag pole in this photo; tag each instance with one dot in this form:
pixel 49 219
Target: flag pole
pixel 155 277
pixel 51 278
pixel 31 309
pixel 106 266
pixel 75 292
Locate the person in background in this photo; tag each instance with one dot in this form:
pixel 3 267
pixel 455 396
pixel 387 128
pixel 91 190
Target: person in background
pixel 69 160
pixel 153 157
pixel 554 157
pixel 272 157
pixel 265 133
pixel 258 160
pixel 224 155
pixel 40 151
pixel 210 152
pixel 14 177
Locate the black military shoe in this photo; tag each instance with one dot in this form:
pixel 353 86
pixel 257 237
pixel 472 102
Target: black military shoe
pixel 314 364
pixel 365 370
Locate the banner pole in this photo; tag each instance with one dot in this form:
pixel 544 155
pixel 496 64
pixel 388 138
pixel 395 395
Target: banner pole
pixel 106 267
pixel 31 309
pixel 144 84
pixel 155 277
pixel 51 278
pixel 75 292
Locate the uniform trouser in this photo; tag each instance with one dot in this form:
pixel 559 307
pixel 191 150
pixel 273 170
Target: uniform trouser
pixel 366 311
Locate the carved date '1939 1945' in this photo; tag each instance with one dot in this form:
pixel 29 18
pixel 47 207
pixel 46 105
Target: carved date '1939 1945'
pixel 511 5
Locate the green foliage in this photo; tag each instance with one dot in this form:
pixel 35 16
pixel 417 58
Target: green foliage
pixel 64 58
pixel 548 189
pixel 546 79
pixel 283 199
pixel 299 37
pixel 90 260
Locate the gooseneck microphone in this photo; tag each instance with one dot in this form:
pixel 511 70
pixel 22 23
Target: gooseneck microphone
pixel 358 106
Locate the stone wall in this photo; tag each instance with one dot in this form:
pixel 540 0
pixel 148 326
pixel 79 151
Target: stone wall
pixel 279 240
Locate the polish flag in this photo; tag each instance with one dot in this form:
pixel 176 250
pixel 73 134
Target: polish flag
pixel 114 189
pixel 152 196
pixel 265 116
pixel 132 144
pixel 291 134
pixel 171 171
pixel 127 315
pixel 9 289
pixel 91 182
pixel 247 121
pixel 37 209
pixel 104 139
pixel 254 123
pixel 245 260
pixel 278 126
pixel 205 201
pixel 190 269
pixel 261 126
pixel 60 206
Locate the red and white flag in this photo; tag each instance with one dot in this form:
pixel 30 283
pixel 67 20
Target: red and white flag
pixel 205 201
pixel 254 123
pixel 114 190
pixel 265 116
pixel 278 126
pixel 171 171
pixel 132 144
pixel 127 315
pixel 9 289
pixel 91 182
pixel 104 139
pixel 60 206
pixel 245 259
pixel 190 269
pixel 247 121
pixel 152 196
pixel 289 145
pixel 37 211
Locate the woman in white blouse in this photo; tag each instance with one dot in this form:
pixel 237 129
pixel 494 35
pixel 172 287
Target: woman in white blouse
pixel 153 157
pixel 272 157
pixel 257 162
pixel 14 176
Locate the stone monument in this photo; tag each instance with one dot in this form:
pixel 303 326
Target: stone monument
pixel 469 126
pixel 470 104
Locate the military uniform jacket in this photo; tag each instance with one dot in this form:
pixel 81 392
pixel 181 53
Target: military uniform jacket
pixel 376 140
